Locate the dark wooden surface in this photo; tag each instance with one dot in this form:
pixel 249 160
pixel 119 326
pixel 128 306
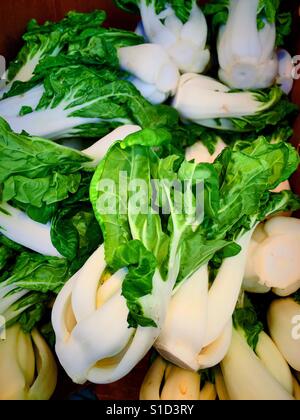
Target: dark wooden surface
pixel 14 15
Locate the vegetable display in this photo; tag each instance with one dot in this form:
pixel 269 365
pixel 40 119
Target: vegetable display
pixel 146 205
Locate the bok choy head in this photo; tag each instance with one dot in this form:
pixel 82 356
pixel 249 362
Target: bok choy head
pixel 249 33
pixel 178 26
pixel 207 102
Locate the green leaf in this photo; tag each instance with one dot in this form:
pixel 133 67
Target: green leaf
pixel 148 137
pixel 49 39
pixel 138 283
pixel 218 11
pixel 35 272
pixel 182 8
pixel 10 244
pixel 32 316
pixel 42 214
pixel 27 311
pixel 100 46
pixel 236 197
pixel 247 172
pixel 75 232
pixel 107 201
pixel 36 172
pixel 246 319
pixel 5 256
pixel 48 333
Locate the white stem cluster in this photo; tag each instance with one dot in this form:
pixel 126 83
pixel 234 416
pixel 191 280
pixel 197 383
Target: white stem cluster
pixel 93 341
pixel 247 55
pixel 274 255
pixel 28 368
pixel 198 327
pixel 171 48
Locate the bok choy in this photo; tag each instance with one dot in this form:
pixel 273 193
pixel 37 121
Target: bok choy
pixel 178 26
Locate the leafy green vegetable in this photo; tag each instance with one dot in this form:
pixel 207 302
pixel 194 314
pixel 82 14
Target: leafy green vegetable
pixel 37 173
pixel 247 173
pixel 236 192
pixel 5 255
pixel 35 272
pixel 29 286
pixel 100 46
pixel 28 311
pixel 139 280
pixel 275 109
pixel 49 40
pixel 269 10
pixel 41 214
pixel 122 224
pixel 49 334
pixel 75 232
pixel 81 101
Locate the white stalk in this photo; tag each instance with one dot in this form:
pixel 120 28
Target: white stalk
pixel 99 149
pixel 287 291
pixel 18 227
pixel 285 77
pixel 220 386
pixel 151 64
pixel 200 98
pixel 273 360
pixel 11 107
pixel 208 392
pixel 213 354
pixel 7 301
pixel 28 368
pixel 199 153
pixel 54 123
pixel 149 91
pixel 181 385
pixel 246 55
pixel 224 292
pixel 246 377
pixel 150 389
pixel 181 339
pixel 283 322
